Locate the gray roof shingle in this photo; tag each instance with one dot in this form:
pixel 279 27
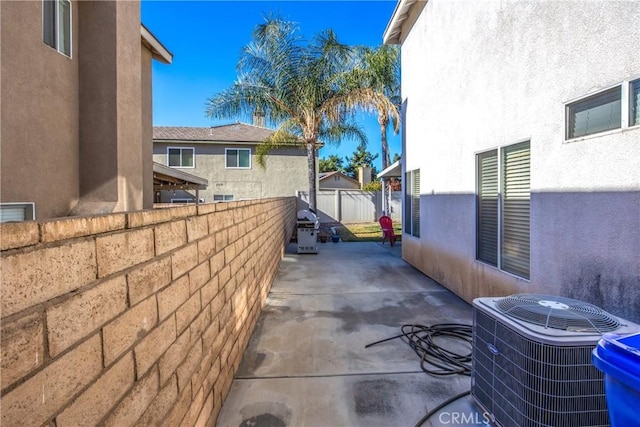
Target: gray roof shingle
pixel 235 132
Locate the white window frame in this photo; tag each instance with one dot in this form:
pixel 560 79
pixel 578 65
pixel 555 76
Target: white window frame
pixel 626 105
pixel 223 197
pixel 226 165
pixel 193 150
pixel 28 207
pixel 501 252
pixel 59 46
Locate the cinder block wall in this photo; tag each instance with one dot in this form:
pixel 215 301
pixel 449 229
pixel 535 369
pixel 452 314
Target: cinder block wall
pixel 134 318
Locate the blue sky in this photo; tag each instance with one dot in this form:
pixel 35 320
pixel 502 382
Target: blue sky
pixel 206 38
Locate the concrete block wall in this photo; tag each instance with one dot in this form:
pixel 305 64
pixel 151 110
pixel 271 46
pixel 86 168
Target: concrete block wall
pixel 133 318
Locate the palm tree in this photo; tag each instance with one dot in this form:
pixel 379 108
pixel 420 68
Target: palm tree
pixel 382 74
pixel 300 86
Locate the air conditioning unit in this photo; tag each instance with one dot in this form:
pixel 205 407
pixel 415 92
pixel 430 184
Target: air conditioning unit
pixel 532 360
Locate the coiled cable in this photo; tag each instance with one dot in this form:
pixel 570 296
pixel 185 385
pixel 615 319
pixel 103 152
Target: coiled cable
pixel 434 358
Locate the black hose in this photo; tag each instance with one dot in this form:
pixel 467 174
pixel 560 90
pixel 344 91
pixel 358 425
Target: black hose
pixel 440 406
pixel 435 359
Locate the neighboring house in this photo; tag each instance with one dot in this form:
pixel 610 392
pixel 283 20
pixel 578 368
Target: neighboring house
pixel 226 157
pixel 521 147
pixel 76 116
pixel 337 180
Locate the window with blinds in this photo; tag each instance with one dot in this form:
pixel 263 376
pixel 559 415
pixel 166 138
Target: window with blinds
pixel 412 203
pixel 516 197
pixel 598 113
pixel 503 208
pixel 634 114
pixel 487 207
pixel 16 212
pixel 614 108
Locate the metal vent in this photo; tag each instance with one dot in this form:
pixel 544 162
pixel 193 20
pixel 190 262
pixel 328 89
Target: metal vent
pixel 557 313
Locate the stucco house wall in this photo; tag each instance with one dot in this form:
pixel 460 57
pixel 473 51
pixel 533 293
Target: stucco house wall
pixel 284 175
pixel 39 94
pixel 76 130
pixel 484 75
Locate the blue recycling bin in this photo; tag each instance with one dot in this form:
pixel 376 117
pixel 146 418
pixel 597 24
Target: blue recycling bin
pixel 618 357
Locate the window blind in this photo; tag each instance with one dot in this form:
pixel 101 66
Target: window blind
pixel 412 203
pixel 415 204
pixel 408 203
pixel 635 103
pixel 516 209
pixel 595 114
pixel 487 207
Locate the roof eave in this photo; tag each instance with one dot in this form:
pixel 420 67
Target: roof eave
pixel 402 19
pixel 158 51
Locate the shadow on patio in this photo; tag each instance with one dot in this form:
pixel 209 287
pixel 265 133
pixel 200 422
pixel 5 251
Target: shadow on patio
pixel 306 363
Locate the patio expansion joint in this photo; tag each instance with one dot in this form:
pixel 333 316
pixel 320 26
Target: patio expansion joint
pixel 423 291
pixel 278 377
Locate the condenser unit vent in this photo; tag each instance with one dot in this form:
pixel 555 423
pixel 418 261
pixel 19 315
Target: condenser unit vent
pixel 558 313
pixel 532 360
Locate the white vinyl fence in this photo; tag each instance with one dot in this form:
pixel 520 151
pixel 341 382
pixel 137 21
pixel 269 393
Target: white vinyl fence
pixel 351 206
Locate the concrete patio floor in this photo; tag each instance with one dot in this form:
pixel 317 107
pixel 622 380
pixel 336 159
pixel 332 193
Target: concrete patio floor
pixel 306 363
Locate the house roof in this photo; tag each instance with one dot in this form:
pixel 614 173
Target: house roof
pixel 325 175
pixel 235 132
pixel 158 51
pixel 404 16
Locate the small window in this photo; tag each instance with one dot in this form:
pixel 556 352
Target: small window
pixel 56 25
pixel 16 212
pixel 634 111
pixel 222 197
pixel 238 158
pixel 180 157
pixel 598 113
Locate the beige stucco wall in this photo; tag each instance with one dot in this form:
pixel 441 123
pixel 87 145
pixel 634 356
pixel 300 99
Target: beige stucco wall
pixel 137 318
pixel 39 140
pixel 72 127
pixel 285 173
pixel 481 75
pixel 147 128
pixel 111 105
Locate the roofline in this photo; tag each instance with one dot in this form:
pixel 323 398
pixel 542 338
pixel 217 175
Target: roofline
pixel 332 173
pixel 176 173
pixel 204 141
pixel 389 169
pixel 404 16
pixel 158 51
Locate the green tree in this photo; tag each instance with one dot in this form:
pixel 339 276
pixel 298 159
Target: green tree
pixel 302 87
pixel 360 157
pixel 333 163
pixel 382 74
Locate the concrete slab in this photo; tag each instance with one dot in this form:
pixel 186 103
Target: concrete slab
pixel 306 363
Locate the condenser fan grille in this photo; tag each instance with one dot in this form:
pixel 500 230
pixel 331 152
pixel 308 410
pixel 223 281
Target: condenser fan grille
pixel 557 313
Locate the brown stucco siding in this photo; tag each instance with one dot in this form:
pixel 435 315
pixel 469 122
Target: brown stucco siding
pixel 39 148
pixel 147 129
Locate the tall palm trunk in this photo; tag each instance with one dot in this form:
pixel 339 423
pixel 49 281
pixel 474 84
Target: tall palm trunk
pixel 386 158
pixel 311 173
